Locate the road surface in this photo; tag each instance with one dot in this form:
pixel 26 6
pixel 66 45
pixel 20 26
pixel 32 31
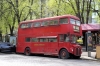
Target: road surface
pixel 34 60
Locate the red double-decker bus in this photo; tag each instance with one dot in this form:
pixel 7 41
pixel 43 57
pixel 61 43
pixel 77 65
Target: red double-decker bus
pixel 50 36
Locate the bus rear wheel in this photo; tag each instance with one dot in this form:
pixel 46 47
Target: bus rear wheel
pixel 64 54
pixel 27 51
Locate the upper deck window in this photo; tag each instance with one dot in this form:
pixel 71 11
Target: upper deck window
pixel 26 25
pixel 36 24
pixel 22 25
pixel 72 21
pixel 44 23
pixel 78 23
pixel 63 20
pixel 29 25
pixel 53 22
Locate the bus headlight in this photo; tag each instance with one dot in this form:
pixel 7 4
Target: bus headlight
pixel 72 49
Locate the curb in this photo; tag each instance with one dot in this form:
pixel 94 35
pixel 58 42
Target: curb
pixel 89 58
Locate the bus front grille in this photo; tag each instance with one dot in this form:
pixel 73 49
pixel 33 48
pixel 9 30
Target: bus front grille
pixel 77 51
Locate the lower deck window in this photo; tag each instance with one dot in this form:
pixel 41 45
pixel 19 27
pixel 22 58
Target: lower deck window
pixel 52 39
pixel 43 40
pixel 34 40
pixel 27 39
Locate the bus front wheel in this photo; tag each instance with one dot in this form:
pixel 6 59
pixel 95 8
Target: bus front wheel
pixel 27 51
pixel 77 57
pixel 64 54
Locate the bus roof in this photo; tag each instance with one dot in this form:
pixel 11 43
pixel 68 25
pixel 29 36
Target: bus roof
pixel 50 18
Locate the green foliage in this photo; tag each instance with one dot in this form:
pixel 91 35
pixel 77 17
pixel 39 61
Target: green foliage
pixel 14 11
pixel 60 6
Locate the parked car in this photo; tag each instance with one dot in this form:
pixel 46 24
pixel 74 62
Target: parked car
pixel 7 47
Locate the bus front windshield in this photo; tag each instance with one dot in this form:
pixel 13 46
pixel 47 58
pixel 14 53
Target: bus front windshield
pixel 75 22
pixel 74 39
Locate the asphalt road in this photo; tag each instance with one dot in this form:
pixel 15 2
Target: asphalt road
pixel 34 60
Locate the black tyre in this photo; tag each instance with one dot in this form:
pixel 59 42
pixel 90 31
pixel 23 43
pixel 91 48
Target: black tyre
pixel 77 57
pixel 27 51
pixel 64 54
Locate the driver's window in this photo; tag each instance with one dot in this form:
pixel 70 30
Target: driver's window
pixel 73 38
pixel 64 38
pixel 72 21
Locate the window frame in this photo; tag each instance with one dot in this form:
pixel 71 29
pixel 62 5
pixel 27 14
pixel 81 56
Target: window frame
pixel 52 40
pixel 22 26
pixel 73 38
pixel 43 39
pixel 78 23
pixel 65 37
pixel 27 39
pixel 52 22
pixel 63 22
pixel 34 39
pixel 39 24
pixel 44 23
pixel 74 21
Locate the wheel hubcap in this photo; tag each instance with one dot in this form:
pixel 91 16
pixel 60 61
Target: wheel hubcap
pixel 27 52
pixel 63 54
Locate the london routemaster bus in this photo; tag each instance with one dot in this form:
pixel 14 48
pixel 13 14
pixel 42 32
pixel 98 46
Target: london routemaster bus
pixel 55 36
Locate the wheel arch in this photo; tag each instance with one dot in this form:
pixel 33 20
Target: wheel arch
pixel 26 47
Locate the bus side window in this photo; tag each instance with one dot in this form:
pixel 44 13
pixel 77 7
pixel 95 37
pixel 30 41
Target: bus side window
pixel 61 38
pixel 53 22
pixel 29 25
pixel 27 39
pixel 22 26
pixel 63 21
pixel 43 40
pixel 37 24
pixel 34 39
pixel 52 39
pixel 44 23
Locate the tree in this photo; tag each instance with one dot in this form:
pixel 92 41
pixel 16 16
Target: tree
pixel 96 8
pixel 58 7
pixel 19 12
pixel 82 8
pixel 14 11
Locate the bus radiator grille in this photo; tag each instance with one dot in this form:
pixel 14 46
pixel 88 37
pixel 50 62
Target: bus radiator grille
pixel 77 51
